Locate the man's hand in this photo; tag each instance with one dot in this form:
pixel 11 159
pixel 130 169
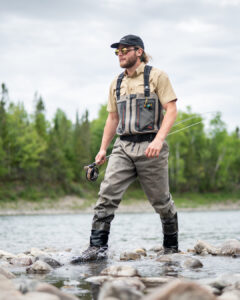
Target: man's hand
pixel 154 148
pixel 100 157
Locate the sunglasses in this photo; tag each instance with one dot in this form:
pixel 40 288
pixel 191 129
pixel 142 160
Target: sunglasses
pixel 124 50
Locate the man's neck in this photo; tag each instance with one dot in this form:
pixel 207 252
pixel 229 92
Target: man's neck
pixel 130 71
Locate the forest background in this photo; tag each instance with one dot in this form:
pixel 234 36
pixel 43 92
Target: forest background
pixel 44 159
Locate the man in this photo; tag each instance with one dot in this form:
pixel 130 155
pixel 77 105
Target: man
pixel 136 101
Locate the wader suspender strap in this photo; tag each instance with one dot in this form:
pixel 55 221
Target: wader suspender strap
pixel 146 74
pixel 147 71
pixel 119 81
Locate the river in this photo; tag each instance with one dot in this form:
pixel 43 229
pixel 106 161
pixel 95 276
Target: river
pixel 129 231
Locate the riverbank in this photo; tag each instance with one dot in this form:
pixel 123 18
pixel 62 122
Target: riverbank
pixel 74 204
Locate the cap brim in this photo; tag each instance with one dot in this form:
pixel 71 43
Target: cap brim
pixel 116 45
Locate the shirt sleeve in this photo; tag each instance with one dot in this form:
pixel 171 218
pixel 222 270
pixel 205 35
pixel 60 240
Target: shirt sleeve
pixel 165 90
pixel 112 101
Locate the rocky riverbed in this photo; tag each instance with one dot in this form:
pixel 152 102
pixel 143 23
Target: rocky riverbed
pixel 25 275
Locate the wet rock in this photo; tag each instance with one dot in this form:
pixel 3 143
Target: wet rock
pixel 6 284
pixel 141 251
pixel 51 261
pixel 6 273
pixel 11 295
pixel 230 247
pixel 40 296
pixel 50 289
pixel 39 267
pixel 129 256
pixel 21 261
pixel 37 252
pixel 203 247
pixel 156 248
pixel 181 290
pixel 120 290
pixel 164 258
pixel 6 255
pixel 127 271
pixel 231 295
pixel 150 282
pixel 98 280
pixel 223 282
pixel 192 263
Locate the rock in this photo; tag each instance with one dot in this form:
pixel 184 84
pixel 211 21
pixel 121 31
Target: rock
pixel 40 296
pixel 6 255
pixel 50 289
pixel 155 281
pixel 203 247
pixel 11 295
pixel 164 258
pixel 51 262
pixel 231 295
pixel 156 248
pixel 7 273
pixel 183 290
pixel 98 280
pixel 129 256
pixel 39 267
pixel 141 251
pixel 230 247
pixel 120 290
pixel 21 261
pixel 127 271
pixel 37 252
pixel 6 284
pixel 192 263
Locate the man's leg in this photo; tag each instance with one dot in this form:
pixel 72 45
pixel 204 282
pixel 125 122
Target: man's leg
pixel 153 176
pixel 120 173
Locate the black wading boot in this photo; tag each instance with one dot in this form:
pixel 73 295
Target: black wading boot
pixel 97 249
pixel 170 235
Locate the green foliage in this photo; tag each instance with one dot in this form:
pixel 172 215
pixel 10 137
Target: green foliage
pixel 41 158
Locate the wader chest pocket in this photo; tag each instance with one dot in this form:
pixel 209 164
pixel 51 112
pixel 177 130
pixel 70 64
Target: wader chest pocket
pixel 145 117
pixel 122 116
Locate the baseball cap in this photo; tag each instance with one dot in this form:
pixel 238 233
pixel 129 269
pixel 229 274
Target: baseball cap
pixel 129 40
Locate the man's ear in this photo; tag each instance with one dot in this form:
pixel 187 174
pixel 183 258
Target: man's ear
pixel 139 52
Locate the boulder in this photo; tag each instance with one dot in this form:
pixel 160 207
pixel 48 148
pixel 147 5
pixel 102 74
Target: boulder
pixel 230 247
pixel 50 261
pixel 40 296
pixel 141 251
pixel 150 282
pixel 11 295
pixel 6 255
pixel 156 248
pixel 6 284
pixel 21 261
pixel 37 252
pixel 50 289
pixel 192 263
pixel 230 295
pixel 179 289
pixel 129 256
pixel 39 267
pixel 120 290
pixel 7 273
pixel 203 247
pixel 127 271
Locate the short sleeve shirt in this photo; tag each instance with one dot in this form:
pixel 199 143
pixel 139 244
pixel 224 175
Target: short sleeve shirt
pixel 158 81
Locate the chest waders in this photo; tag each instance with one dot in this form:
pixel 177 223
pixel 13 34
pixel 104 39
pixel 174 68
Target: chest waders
pixel 140 117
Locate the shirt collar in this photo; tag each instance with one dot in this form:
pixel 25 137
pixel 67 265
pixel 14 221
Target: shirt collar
pixel 138 71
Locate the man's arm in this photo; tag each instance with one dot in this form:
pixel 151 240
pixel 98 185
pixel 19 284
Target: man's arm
pixel 155 146
pixel 108 135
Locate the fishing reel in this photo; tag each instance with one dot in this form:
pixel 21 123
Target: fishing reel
pixel 92 172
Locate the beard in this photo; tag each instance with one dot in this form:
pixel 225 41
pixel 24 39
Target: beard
pixel 128 63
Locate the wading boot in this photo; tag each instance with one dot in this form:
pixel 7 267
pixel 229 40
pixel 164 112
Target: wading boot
pixel 170 235
pixel 97 249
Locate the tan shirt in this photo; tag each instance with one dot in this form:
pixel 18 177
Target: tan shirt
pixel 158 81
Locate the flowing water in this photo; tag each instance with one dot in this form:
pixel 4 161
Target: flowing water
pixel 129 231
